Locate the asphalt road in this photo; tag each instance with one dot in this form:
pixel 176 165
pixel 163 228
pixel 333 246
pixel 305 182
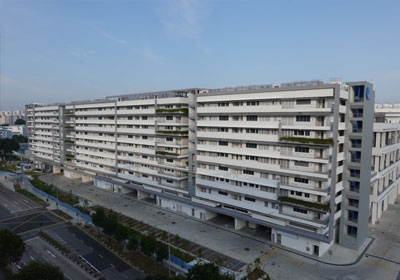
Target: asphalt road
pixel 99 257
pixel 39 250
pixel 30 222
pixel 15 202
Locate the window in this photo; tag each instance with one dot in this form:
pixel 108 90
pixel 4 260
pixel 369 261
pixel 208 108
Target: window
pixel 169 139
pixel 298 210
pixel 170 181
pixel 249 199
pixel 144 137
pixel 144 117
pixel 302 118
pixel 266 203
pixel 224 118
pixel 352 231
pixel 251 118
pixel 169 118
pixel 301 163
pixel 248 172
pixel 251 145
pixel 302 132
pixel 307 195
pixel 130 118
pixel 251 158
pixel 223 143
pixel 352 215
pixel 222 193
pixel 223 104
pixel 353 202
pixel 301 180
pixel 251 130
pixel 223 168
pixel 301 150
pixel 252 103
pixel 303 101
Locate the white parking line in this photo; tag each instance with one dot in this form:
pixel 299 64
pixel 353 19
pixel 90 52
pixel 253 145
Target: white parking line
pixel 51 254
pixel 32 258
pixel 66 275
pixel 33 238
pixel 112 265
pixel 101 256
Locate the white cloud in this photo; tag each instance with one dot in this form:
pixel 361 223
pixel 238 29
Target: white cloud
pixel 109 36
pixel 182 18
pixel 81 54
pixel 151 55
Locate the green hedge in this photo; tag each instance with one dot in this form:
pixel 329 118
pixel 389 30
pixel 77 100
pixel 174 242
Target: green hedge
pixel 69 141
pixel 53 242
pixel 166 153
pixel 308 140
pixel 181 132
pixel 69 127
pixel 315 205
pixel 30 195
pixel 177 110
pixel 68 198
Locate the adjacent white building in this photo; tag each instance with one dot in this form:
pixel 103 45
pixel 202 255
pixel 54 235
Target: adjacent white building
pixel 385 181
pixel 290 160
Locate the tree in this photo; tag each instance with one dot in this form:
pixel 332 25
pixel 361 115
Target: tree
pixel 38 270
pixel 99 217
pixel 121 232
pixel 110 223
pixel 7 146
pixel 11 247
pixel 148 245
pixel 19 122
pixel 206 271
pixel 162 251
pixel 133 243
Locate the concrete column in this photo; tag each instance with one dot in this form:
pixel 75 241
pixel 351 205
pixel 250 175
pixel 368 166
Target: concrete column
pixel 87 179
pixel 210 215
pixel 379 213
pixel 56 170
pixel 142 195
pixel 239 223
pixel 374 213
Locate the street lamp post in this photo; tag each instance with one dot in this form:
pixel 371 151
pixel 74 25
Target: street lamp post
pixel 169 255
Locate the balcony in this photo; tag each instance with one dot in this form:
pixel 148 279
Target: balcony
pixel 307 204
pixel 303 140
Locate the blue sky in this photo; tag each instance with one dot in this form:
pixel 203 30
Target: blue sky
pixel 58 51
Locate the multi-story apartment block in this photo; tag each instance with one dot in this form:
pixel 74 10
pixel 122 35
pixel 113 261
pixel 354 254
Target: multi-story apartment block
pixel 385 182
pixel 292 160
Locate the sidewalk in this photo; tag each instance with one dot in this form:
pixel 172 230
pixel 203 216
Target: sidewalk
pixel 237 244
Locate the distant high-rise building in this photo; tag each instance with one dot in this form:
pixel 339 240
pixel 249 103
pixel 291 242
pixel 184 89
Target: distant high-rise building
pixel 9 117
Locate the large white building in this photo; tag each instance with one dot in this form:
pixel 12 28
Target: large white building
pixel 292 160
pixel 385 182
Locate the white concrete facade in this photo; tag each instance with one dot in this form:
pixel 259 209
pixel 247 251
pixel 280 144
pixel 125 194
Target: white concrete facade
pixel 385 182
pixel 272 157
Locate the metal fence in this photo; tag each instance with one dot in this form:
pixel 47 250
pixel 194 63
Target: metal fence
pixel 179 262
pixel 27 183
